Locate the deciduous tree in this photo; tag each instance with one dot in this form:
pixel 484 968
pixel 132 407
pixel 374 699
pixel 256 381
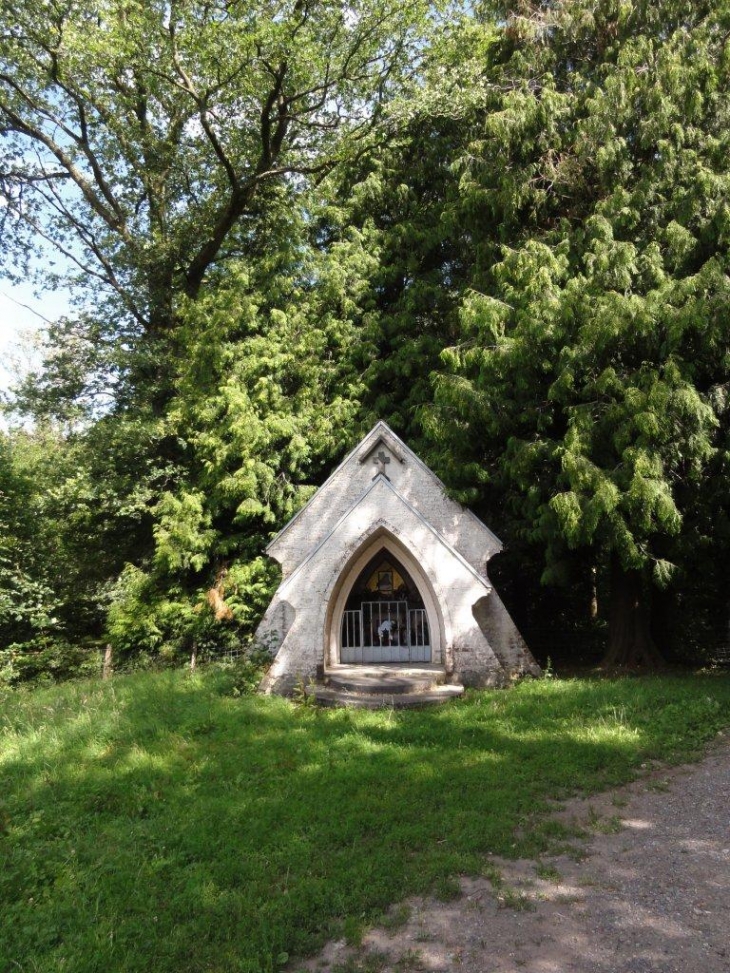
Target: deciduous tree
pixel 140 139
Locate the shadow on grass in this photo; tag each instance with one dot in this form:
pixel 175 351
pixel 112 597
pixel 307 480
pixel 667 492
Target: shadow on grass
pixel 155 824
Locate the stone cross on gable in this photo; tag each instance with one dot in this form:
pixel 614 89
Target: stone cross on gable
pixel 381 461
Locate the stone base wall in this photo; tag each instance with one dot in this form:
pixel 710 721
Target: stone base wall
pixel 286 683
pixel 504 638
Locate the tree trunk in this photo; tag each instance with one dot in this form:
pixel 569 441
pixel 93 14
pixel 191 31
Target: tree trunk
pixel 106 671
pixel 630 644
pixel 193 657
pixel 593 608
pixel 662 619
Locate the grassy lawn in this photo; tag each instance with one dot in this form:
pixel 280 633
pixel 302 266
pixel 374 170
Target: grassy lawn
pixel 157 824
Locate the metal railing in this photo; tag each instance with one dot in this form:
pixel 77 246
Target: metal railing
pixel 419 639
pixel 385 631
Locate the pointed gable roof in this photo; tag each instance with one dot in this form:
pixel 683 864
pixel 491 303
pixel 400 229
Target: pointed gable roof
pixel 382 435
pixel 412 481
pixel 383 484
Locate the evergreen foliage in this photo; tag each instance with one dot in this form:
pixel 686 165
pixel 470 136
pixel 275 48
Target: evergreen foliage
pixel 507 237
pixel 594 339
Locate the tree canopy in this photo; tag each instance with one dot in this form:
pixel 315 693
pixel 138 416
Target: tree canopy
pixel 502 228
pixel 594 350
pixel 141 139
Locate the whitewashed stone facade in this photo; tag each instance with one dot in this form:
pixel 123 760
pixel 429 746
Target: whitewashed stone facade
pixel 383 502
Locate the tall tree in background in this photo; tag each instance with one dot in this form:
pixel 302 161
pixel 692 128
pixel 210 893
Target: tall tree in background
pixel 282 251
pixel 407 197
pixel 266 402
pixel 596 340
pixel 141 140
pixel 266 398
pixel 157 147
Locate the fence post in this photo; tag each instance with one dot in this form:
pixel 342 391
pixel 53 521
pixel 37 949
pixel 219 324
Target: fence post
pixel 107 670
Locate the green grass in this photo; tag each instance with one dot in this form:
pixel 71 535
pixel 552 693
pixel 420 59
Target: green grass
pixel 549 873
pixel 155 823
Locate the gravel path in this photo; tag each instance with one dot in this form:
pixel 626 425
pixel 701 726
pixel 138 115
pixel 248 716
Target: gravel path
pixel 651 895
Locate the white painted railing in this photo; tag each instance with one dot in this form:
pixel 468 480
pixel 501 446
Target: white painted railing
pixel 420 643
pixel 385 631
pixel 351 637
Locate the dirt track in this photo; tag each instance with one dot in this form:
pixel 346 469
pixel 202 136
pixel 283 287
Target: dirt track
pixel 651 895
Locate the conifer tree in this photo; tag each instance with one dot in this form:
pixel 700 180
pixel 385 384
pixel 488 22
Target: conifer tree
pixel 595 338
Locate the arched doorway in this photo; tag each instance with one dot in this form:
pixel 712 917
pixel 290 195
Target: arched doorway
pixel 384 618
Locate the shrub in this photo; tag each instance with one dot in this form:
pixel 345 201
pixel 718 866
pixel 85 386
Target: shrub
pixel 47 660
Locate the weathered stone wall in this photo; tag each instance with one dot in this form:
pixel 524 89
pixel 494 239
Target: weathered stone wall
pixel 360 509
pixel 410 477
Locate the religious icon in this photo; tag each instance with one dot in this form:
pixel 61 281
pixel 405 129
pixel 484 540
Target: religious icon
pixel 385 582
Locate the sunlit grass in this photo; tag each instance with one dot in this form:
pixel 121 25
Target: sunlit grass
pixel 155 823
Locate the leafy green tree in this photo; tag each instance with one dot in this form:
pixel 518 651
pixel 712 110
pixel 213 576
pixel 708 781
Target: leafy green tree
pixel 141 140
pixel 406 198
pixel 267 398
pixel 595 337
pixel 159 522
pixel 34 574
pixel 26 599
pixel 158 147
pixel 75 506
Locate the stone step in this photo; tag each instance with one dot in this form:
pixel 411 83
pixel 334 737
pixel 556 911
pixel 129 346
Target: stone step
pixel 390 679
pixel 330 696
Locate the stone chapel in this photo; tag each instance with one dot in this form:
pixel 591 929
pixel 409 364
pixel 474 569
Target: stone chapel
pixel 384 574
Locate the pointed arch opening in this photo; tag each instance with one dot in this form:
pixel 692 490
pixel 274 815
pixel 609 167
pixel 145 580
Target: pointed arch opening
pixel 384 611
